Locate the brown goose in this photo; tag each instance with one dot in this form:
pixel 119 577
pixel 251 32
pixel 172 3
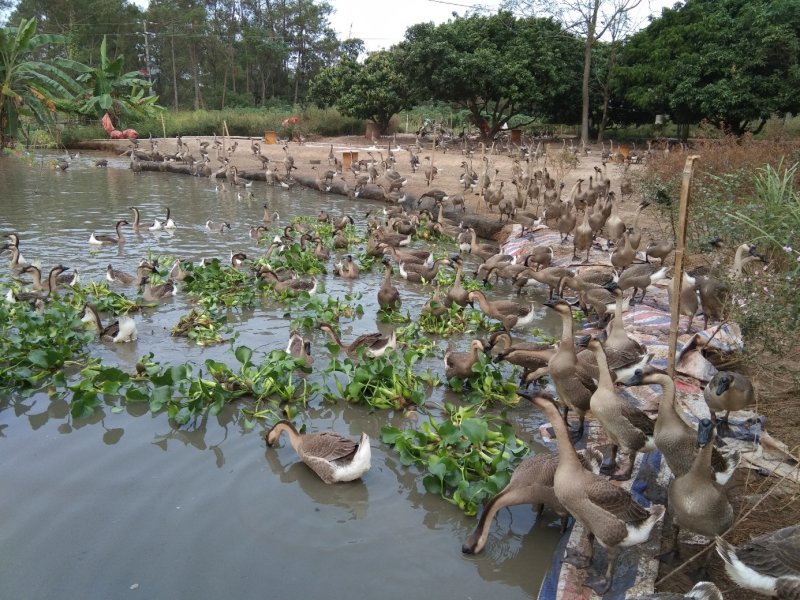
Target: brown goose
pixel 459 364
pixel 531 483
pixel 530 356
pixel 510 314
pixel 155 293
pixel 110 239
pixel 768 564
pixel 659 249
pixel 640 277
pixel 728 390
pixel 406 256
pixel 697 502
pixel 483 250
pixel 388 295
pixel 291 286
pixel 549 276
pixel 299 348
pixel 608 512
pixel 628 427
pixel 574 387
pixel 347 269
pixel 457 294
pixel 121 330
pixel 330 455
pixel 674 437
pixel 416 273
pixel 374 344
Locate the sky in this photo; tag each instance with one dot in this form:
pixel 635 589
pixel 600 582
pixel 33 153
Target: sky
pixel 383 23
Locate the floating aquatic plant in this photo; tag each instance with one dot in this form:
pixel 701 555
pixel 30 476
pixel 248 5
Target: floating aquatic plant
pixel 468 459
pixel 488 383
pixel 200 326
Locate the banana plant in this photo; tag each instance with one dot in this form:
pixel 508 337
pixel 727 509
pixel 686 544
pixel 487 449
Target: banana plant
pixel 30 87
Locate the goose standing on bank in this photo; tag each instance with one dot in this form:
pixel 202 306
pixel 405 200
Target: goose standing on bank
pixel 330 455
pixel 608 512
pixel 768 564
pixel 728 390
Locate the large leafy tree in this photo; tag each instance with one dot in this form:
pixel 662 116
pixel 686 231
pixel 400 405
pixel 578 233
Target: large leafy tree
pixel 375 90
pixel 733 62
pixel 28 86
pixel 497 67
pixel 591 20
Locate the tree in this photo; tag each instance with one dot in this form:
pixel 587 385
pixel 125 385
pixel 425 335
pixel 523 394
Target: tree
pixel 590 19
pixel 375 90
pixel 113 90
pixel 733 62
pixel 497 67
pixel 31 87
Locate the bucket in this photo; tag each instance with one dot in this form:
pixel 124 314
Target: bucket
pixel 516 136
pixel 270 137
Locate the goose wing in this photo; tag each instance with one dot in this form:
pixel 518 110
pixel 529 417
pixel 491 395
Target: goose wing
pixel 329 446
pixel 615 500
pixel 638 419
pixel 775 554
pixel 367 339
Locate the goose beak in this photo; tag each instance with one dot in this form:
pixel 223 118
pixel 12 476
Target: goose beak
pixel 582 341
pixel 722 385
pixel 705 431
pixel 633 380
pixel 526 395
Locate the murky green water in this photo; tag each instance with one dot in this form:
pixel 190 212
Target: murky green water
pixel 123 505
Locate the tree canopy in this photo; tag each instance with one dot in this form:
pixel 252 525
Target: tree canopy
pixel 375 90
pixel 497 67
pixel 733 62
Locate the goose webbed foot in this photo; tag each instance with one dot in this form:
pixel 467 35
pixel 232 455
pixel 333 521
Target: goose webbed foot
pixel 576 434
pixel 600 584
pixel 577 559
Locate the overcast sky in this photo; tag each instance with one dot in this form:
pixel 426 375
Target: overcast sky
pixel 382 23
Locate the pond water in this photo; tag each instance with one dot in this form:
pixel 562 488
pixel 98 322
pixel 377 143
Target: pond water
pixel 123 502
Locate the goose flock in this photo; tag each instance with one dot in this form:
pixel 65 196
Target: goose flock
pixel 585 372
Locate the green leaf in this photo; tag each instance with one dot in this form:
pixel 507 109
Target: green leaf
pixel 476 430
pixel 243 354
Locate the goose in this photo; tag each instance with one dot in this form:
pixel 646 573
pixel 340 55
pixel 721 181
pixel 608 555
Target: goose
pixel 121 330
pixel 117 276
pixel 674 437
pixel 530 356
pixel 714 297
pixel 582 238
pixel 237 259
pixel 621 350
pixel 635 234
pixel 416 273
pixel 768 564
pixel 689 301
pixel 573 386
pixel 320 251
pixel 407 256
pixel 640 277
pixel 340 241
pixel 728 390
pixel 110 239
pixel 702 590
pixel 177 271
pixel 482 250
pixel 330 455
pixel 347 269
pixel 435 305
pixel 624 254
pixel 289 286
pixel 531 483
pixel 52 281
pixel 16 262
pixel 217 227
pixel 591 296
pixel 549 276
pixel 459 364
pixel 168 222
pixel 374 344
pixel 457 294
pixel 614 225
pixel 659 249
pixel 268 217
pixel 511 314
pixel 608 512
pixel 628 427
pixel 698 503
pixel 388 295
pixel 151 293
pixel 299 348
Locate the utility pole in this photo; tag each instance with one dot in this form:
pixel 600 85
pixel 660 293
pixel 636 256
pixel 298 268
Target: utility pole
pixel 147 55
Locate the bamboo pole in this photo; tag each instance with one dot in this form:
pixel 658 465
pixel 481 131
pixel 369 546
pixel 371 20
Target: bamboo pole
pixel 677 272
pixel 163 126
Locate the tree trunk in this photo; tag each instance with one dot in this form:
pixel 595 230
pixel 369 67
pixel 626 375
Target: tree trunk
pixel 198 99
pixel 587 71
pixel 174 73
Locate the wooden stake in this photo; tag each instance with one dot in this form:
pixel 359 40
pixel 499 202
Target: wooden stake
pixel 677 272
pixel 163 126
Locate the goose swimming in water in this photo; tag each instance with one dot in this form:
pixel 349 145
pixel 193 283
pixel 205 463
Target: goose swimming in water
pixel 330 455
pixel 168 222
pixel 152 293
pixel 121 330
pixel 110 239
